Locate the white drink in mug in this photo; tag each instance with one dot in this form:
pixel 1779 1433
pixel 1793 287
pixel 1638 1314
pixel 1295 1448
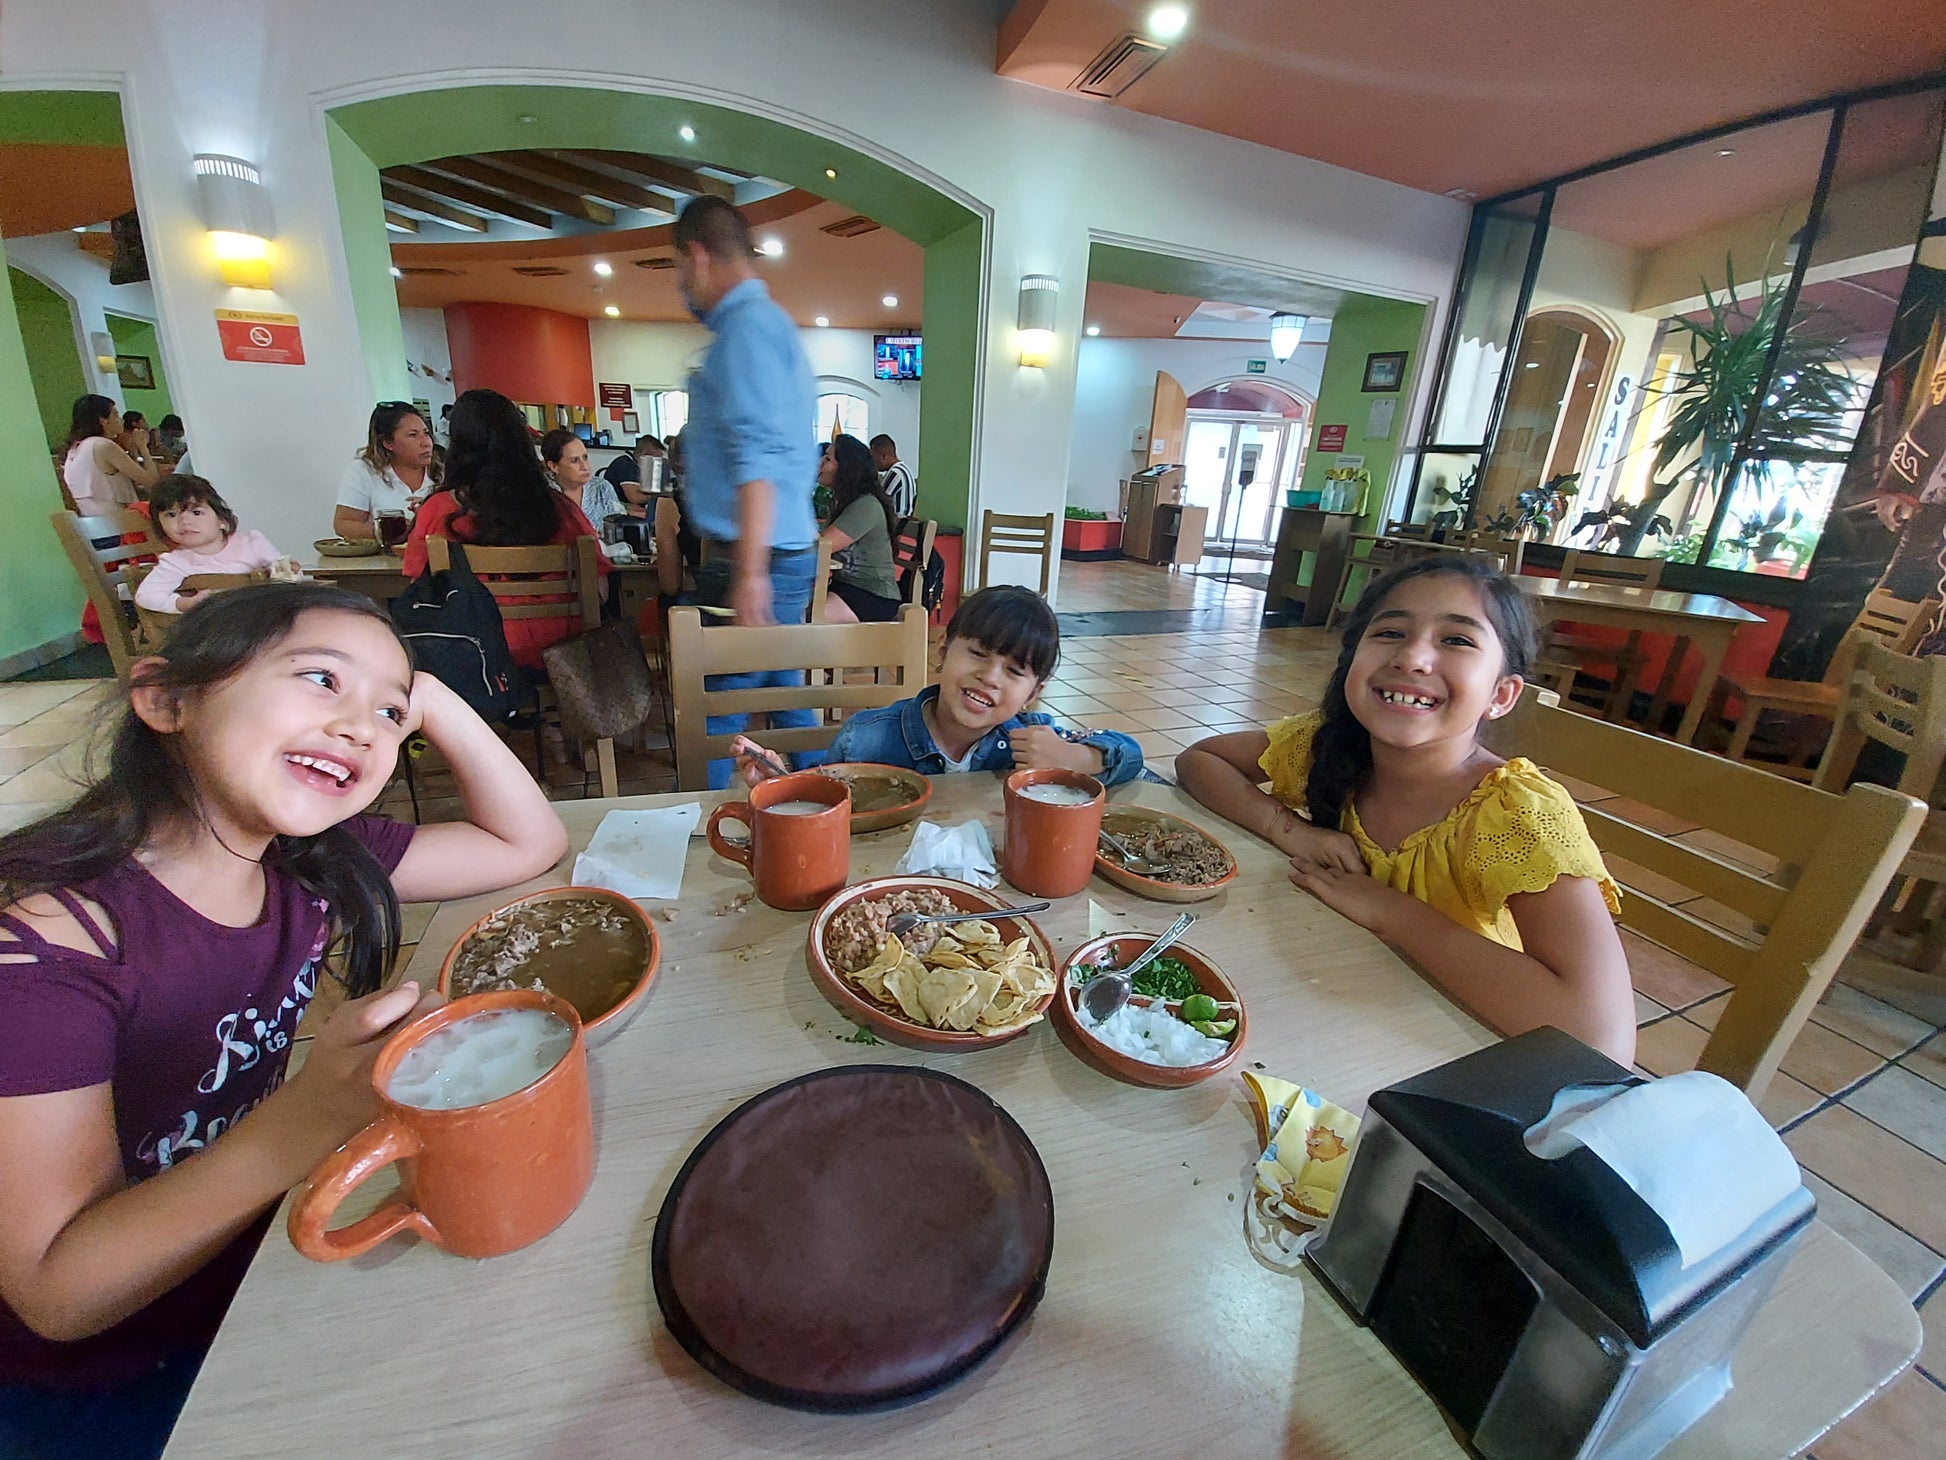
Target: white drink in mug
pixel 1056 794
pixel 798 808
pixel 481 1058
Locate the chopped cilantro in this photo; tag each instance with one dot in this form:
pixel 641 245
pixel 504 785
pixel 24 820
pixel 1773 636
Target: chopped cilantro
pixel 861 1035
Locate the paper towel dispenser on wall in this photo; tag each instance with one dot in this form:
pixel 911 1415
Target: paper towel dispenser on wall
pixel 1543 1303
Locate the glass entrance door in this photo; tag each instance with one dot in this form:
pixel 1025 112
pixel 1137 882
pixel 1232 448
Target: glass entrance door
pixel 1231 466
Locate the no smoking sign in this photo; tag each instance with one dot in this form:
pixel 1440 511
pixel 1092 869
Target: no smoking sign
pixel 261 339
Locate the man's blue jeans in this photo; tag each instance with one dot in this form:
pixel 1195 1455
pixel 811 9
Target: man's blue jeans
pixel 791 576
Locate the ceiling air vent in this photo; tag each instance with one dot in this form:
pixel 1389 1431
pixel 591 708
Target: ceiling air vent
pixel 655 263
pixel 1122 63
pixel 851 227
pixel 541 271
pixel 423 272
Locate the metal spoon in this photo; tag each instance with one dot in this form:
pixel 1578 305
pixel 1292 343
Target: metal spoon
pixel 899 924
pixel 1140 866
pixel 1107 991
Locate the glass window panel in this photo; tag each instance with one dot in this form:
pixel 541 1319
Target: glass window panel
pixel 1488 300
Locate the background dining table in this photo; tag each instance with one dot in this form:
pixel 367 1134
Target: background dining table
pixel 1703 619
pixel 1165 1328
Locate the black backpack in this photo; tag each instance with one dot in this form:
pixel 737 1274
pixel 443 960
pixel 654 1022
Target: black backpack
pixel 452 625
pixel 932 592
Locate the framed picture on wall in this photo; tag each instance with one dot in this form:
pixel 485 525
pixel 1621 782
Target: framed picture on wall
pixel 1385 370
pixel 135 372
pixel 631 424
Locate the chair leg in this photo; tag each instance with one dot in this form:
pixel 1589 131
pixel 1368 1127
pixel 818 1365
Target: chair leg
pixel 605 762
pixel 1739 747
pixel 411 783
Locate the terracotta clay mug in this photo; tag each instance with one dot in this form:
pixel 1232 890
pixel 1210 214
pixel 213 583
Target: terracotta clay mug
pixel 478 1180
pixel 1051 844
pixel 797 855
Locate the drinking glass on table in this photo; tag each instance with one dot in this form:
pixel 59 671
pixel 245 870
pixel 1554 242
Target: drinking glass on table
pixel 393 528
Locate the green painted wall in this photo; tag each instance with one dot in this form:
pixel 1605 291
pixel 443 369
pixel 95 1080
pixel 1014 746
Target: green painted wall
pixel 82 118
pixel 368 256
pixel 39 597
pixel 1363 327
pixel 47 335
pixel 137 337
pixel 951 383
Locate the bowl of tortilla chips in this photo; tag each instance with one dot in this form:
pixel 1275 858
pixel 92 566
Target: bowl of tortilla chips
pixel 956 986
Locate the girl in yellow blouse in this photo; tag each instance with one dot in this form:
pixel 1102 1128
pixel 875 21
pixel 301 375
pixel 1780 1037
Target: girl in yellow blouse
pixel 1478 869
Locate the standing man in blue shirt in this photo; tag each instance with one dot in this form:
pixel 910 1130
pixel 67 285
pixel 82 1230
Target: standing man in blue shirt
pixel 750 460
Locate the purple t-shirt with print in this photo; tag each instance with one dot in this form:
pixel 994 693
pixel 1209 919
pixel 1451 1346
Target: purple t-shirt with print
pixel 190 1023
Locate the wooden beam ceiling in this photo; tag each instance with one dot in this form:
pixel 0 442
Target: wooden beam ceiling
pixel 666 177
pixel 525 190
pixel 586 181
pixel 399 223
pixel 411 202
pixel 468 196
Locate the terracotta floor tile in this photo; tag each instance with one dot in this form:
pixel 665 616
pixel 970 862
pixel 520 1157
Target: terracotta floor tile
pixel 1906 1418
pixel 1156 745
pixel 16 814
pixel 1707 1012
pixel 1669 1046
pixel 1177 698
pixel 1130 700
pixel 1929 1060
pixel 1669 980
pixel 1709 910
pixel 1907 1106
pixel 1786 1100
pixel 1829 1062
pixel 1581 790
pixel 1654 884
pixel 22 701
pixel 1663 823
pixel 1646 1009
pixel 17 758
pixel 1932 1318
pixel 1895 1179
pixel 1868 1021
pixel 1906 1260
pixel 1162 718
pixel 1730 851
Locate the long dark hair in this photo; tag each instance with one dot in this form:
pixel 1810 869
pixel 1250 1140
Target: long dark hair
pixel 145 792
pixel 1341 752
pixel 491 467
pixel 387 417
pixel 89 418
pixel 858 477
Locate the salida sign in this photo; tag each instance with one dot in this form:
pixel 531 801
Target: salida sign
pixel 261 339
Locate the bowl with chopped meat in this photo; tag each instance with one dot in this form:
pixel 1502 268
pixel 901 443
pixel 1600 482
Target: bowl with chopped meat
pixel 1183 1023
pixel 1197 865
pixel 941 987
pixel 592 947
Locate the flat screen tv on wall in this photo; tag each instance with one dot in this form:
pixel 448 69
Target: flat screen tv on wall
pixel 895 357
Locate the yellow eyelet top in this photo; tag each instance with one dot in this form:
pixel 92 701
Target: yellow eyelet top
pixel 1517 832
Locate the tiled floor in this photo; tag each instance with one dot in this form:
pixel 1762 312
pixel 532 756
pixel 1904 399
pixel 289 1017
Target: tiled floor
pixel 1862 1096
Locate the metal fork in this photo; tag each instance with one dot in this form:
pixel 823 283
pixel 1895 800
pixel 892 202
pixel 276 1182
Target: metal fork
pixel 902 923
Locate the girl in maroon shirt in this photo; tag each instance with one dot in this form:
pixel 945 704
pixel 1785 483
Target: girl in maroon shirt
pixel 159 941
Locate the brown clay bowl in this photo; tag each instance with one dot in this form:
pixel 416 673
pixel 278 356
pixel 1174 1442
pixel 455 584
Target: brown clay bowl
pixel 915 791
pixel 1120 820
pixel 1210 980
pixel 609 1015
pixel 891 1024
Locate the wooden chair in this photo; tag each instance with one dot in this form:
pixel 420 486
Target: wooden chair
pixel 1377 555
pixel 821 584
pixel 102 572
pixel 1410 531
pixel 517 576
pixel 156 626
pixel 1564 655
pixel 820 650
pixel 1003 532
pixel 1894 622
pixel 1510 549
pixel 1835 855
pixel 911 550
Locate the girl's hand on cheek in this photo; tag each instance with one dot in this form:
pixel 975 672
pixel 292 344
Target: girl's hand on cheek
pixel 428 701
pixel 1351 894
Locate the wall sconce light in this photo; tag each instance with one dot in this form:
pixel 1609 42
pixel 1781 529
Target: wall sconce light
pixel 1039 293
pixel 236 211
pixel 103 344
pixel 1286 333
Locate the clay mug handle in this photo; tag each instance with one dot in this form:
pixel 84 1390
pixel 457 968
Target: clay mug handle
pixel 379 1144
pixel 738 852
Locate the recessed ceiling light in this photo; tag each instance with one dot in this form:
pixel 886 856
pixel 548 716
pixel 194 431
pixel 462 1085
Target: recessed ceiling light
pixel 604 268
pixel 83 228
pixel 1530 365
pixel 612 311
pixel 527 119
pixel 771 248
pixel 822 322
pixel 890 301
pixel 831 172
pixel 686 132
pixel 1726 152
pixel 1094 329
pixel 397 272
pixel 1166 22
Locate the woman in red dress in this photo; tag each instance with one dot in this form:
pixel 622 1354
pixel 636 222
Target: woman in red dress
pixel 497 495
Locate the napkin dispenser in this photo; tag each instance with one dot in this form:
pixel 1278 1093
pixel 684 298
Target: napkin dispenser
pixel 1542 1303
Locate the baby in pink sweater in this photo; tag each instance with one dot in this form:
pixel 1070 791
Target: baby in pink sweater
pixel 191 514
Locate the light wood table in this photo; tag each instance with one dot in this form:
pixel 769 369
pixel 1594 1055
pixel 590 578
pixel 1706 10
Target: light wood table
pixel 1701 619
pixel 1160 1333
pixel 382 576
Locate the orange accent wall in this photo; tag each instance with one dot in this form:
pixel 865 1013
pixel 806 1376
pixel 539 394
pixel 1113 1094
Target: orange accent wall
pixel 537 355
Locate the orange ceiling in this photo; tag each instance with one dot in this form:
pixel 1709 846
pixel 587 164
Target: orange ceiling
pixel 1490 96
pixel 1125 312
pixel 46 187
pixel 843 279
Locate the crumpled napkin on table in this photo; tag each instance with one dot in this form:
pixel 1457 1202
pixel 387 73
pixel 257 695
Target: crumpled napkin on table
pixel 639 854
pixel 963 852
pixel 1307 1146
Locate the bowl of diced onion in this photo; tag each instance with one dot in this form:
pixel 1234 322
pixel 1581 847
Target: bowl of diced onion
pixel 1149 1041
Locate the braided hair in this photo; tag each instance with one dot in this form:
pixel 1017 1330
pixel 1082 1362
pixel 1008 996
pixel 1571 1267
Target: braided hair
pixel 1341 751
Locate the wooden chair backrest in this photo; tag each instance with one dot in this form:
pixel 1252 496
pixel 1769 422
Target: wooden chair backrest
pixel 518 575
pixel 1414 530
pixel 821 584
pixel 1897 623
pixel 1004 532
pixel 156 626
pixel 669 565
pixel 910 551
pixel 1492 553
pixel 101 570
pixel 897 649
pixel 1481 539
pixel 61 480
pixel 1609 570
pixel 1835 855
pixel 1900 702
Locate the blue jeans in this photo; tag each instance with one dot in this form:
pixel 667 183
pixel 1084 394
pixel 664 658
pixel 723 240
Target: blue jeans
pixel 791 577
pixel 129 1423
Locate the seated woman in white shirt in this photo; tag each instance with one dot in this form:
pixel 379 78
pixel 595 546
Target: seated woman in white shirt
pixel 101 475
pixel 393 474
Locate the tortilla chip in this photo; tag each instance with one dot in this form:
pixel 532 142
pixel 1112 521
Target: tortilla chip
pixel 903 984
pixel 939 990
pixel 976 934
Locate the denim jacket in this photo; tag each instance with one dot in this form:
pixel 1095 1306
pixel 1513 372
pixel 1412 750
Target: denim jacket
pixel 898 735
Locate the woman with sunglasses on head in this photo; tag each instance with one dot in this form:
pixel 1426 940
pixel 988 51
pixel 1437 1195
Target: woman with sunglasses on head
pixel 394 473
